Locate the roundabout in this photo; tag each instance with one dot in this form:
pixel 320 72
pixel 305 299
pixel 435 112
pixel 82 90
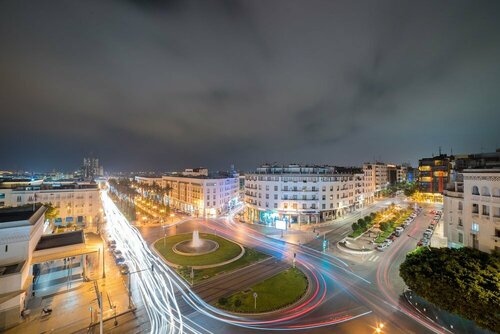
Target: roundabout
pixel 198 250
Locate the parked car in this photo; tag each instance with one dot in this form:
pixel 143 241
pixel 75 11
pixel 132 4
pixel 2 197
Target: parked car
pixel 426 242
pixel 111 242
pixel 420 242
pixel 124 269
pixel 119 260
pixel 382 246
pixel 388 241
pixel 398 231
pixel 117 252
pixel 112 247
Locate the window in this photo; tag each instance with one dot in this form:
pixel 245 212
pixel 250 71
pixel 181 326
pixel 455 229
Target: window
pixel 267 204
pixel 267 196
pixel 2 195
pixel 18 199
pixel 460 223
pixel 6 248
pixel 475 190
pixel 304 206
pixel 460 238
pixel 475 208
pixel 323 206
pixel 275 188
pixel 267 188
pixel 475 227
pixel 485 191
pixel 275 196
pixel 275 205
pixel 486 210
pixel 460 206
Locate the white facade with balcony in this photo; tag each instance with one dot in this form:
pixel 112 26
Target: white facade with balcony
pixel 302 194
pixel 471 210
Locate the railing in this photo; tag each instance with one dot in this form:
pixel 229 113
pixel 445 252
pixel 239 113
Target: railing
pixel 301 190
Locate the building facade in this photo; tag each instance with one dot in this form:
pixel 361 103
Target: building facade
pixel 302 194
pixel 20 231
pixel 376 178
pixel 199 193
pixel 472 210
pixel 76 203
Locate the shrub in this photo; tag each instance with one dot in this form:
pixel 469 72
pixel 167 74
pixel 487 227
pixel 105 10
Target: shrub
pixel 222 301
pixel 463 281
pixel 354 226
pixel 368 219
pixel 360 221
pixel 384 226
pixel 362 224
pixel 237 303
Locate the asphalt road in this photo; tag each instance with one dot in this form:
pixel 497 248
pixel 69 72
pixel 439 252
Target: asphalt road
pixel 343 301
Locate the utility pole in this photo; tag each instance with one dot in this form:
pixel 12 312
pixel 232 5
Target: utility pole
pixel 101 323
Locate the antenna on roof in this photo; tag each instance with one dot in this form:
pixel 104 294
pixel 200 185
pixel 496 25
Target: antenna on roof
pixel 439 150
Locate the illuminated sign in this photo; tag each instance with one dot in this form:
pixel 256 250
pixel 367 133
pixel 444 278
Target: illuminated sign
pixel 281 225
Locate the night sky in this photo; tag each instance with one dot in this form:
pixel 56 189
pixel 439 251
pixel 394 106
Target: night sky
pixel 153 85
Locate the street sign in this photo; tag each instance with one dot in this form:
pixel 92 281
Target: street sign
pixel 255 300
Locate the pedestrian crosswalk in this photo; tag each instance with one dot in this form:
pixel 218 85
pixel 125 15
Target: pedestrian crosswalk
pixel 373 258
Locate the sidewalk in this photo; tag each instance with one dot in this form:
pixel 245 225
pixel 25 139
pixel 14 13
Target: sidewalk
pixel 75 308
pixel 452 322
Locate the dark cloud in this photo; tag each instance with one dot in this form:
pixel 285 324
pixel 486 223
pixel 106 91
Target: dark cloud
pixel 170 84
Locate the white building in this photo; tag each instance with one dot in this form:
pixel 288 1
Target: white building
pixel 472 210
pixel 302 194
pixel 199 193
pixel 20 232
pixel 77 203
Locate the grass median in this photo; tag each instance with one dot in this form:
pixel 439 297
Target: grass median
pixel 273 293
pixel 251 256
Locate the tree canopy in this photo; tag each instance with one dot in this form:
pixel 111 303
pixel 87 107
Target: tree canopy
pixel 463 281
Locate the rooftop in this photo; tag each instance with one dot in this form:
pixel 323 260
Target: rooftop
pixel 60 240
pixel 20 213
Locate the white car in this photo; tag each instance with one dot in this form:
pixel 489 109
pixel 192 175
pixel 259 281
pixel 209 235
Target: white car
pixel 382 246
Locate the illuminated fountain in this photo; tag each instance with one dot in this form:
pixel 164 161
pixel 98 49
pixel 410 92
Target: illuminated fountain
pixel 195 246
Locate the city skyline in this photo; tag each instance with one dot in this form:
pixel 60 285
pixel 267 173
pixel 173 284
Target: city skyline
pixel 168 86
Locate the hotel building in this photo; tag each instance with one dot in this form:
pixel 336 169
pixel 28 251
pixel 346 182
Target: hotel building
pixel 302 194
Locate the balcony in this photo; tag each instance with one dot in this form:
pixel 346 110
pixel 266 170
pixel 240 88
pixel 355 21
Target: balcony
pixel 301 190
pixel 496 219
pixel 496 238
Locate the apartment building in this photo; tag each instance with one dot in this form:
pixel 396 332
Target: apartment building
pixel 302 194
pixel 376 178
pixel 198 192
pixel 471 211
pixel 76 203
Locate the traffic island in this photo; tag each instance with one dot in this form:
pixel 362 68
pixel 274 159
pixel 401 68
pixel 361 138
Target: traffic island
pixel 224 257
pixel 272 294
pixel 223 252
